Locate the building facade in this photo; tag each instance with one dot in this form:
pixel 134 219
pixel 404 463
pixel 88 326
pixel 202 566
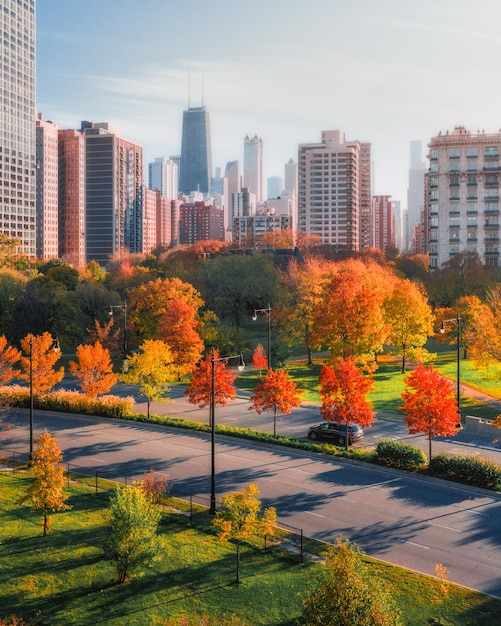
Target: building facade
pixel 71 197
pixel 196 154
pixel 163 175
pixel 462 199
pixel 47 189
pixel 200 221
pixel 247 230
pixel 415 196
pixel 253 166
pixel 17 134
pixel 384 222
pixel 334 191
pixel 114 190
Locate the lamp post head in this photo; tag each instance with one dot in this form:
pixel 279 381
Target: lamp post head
pixel 442 328
pixel 241 364
pixel 254 317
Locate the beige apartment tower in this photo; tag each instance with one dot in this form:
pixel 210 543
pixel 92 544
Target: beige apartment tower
pixel 334 191
pixel 462 196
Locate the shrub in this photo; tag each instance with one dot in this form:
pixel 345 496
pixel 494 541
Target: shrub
pixel 67 401
pixel 467 470
pixel 399 455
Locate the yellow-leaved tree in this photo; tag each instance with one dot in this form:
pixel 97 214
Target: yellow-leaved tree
pixel 93 370
pixel 46 491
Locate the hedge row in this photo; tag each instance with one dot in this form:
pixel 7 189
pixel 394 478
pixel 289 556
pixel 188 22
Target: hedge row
pixel 399 455
pixel 467 470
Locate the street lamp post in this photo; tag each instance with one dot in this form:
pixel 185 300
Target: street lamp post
pixel 241 367
pixel 123 308
pixel 266 312
pixel 457 322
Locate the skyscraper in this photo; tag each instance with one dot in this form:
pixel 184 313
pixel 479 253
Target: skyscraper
pixel 163 175
pixel 253 166
pixel 114 186
pixel 17 136
pixel 47 203
pixel 384 222
pixel 462 203
pixel 415 194
pixel 334 190
pixel 196 156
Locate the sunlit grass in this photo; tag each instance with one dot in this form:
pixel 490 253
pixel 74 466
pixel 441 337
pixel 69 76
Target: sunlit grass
pixel 65 579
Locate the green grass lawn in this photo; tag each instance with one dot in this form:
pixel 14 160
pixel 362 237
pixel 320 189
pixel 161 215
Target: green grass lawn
pixel 65 579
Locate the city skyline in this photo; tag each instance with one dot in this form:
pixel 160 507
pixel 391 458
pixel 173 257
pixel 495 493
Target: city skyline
pixel 385 73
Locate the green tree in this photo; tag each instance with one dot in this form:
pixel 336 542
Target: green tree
pixel 132 534
pixel 410 321
pixel 276 392
pixel 153 369
pixel 240 517
pixel 348 594
pixel 46 491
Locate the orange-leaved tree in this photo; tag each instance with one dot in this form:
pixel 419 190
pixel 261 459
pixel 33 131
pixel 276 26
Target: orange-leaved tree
pixel 343 391
pixel 44 356
pixel 429 404
pixel 199 389
pixel 93 370
pixel 9 356
pixel 46 492
pixel 277 391
pixel 178 328
pixel 259 359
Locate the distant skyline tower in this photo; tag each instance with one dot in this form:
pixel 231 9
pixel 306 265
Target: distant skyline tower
pixel 195 169
pixel 275 186
pixel 47 237
pixel 17 139
pixel 290 173
pixel 415 193
pixel 163 176
pixel 253 166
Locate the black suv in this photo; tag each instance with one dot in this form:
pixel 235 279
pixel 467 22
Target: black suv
pixel 333 432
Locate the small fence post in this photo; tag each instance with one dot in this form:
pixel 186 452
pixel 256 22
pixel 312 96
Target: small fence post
pixel 302 556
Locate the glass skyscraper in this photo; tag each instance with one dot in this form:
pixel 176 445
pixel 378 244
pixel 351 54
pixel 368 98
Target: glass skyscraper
pixel 195 169
pixel 17 135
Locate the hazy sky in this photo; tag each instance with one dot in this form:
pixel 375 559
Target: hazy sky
pixel 383 71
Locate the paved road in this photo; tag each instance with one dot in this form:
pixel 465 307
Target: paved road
pixel 395 517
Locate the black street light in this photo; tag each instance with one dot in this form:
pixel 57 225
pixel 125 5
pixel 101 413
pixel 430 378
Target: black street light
pixel 123 308
pixel 457 322
pixel 266 312
pixel 241 367
pixel 55 345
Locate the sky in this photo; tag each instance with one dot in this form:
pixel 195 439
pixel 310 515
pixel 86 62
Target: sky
pixel 382 71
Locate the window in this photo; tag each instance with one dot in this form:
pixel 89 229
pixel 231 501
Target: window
pixel 471 207
pixel 454 180
pixel 454 153
pixel 454 166
pixel 472 166
pixel 472 179
pixel 453 221
pixel 491 179
pixel 433 168
pixel 472 152
pixel 434 154
pixel 433 222
pixel 454 207
pixel 471 220
pixel 491 207
pixel 491 151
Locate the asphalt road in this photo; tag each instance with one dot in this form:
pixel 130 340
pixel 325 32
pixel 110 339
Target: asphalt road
pixel 393 516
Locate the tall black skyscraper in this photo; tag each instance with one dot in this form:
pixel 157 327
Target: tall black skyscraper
pixel 195 169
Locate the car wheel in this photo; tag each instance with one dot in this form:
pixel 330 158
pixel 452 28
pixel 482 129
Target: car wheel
pixel 312 435
pixel 341 441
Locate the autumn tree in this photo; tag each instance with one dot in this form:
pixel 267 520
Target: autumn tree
pixel 44 355
pixel 410 321
pixel 276 392
pixel 153 369
pixel 93 370
pixel 132 533
pixel 240 517
pixel 9 356
pixel 259 359
pixel 429 404
pixel 199 389
pixel 46 491
pixel 343 391
pixel 299 295
pixel 178 329
pixel 148 302
pixel 481 327
pixel 154 485
pixel 349 594
pixel 350 321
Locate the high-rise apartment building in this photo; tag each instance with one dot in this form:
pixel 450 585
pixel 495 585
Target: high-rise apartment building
pixel 114 185
pixel 72 197
pixel 462 200
pixel 163 175
pixel 384 223
pixel 253 166
pixel 196 155
pixel 17 132
pixel 415 195
pixel 334 190
pixel 47 189
pixel 200 221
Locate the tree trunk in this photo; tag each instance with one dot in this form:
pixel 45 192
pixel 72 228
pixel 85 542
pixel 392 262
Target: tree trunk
pixel 45 522
pixel 148 405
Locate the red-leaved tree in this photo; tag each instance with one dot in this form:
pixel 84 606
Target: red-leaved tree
pixel 429 404
pixel 259 358
pixel 276 392
pixel 199 389
pixel 343 390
